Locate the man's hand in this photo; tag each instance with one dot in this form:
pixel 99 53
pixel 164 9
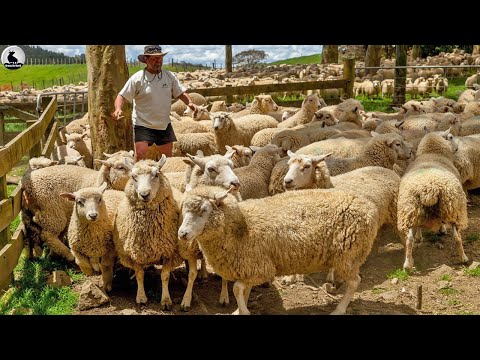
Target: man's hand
pixel 117 114
pixel 194 108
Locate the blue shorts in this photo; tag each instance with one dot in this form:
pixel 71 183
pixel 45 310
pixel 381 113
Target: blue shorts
pixel 152 136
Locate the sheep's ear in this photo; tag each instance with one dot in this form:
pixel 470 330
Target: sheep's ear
pixel 132 153
pixel 374 134
pixel 162 161
pixel 188 162
pixel 229 154
pixel 54 162
pixel 255 148
pixel 399 123
pixel 80 158
pixel 229 148
pixel 103 187
pixel 319 158
pixel 68 196
pixel 446 132
pixel 84 135
pixel 290 153
pixel 127 164
pixel 219 197
pixel 197 161
pixel 199 153
pixel 426 129
pixel 397 109
pixel 188 188
pixel 102 162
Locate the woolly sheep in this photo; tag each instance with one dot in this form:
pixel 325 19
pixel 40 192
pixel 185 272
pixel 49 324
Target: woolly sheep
pixel 179 106
pixel 431 194
pixel 309 106
pixel 262 104
pixel 144 232
pixel 90 229
pixel 40 163
pixel 241 241
pixel 191 142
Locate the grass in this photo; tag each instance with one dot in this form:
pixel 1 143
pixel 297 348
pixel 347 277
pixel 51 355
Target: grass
pixel 378 290
pixel 30 291
pixel 43 76
pixel 446 277
pixel 472 237
pixel 448 291
pixel 473 272
pixel 309 59
pixel 400 274
pixel 454 302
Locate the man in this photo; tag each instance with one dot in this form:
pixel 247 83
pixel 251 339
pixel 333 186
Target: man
pixel 151 91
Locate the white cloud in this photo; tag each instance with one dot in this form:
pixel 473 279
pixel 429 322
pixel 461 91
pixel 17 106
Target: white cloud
pixel 203 54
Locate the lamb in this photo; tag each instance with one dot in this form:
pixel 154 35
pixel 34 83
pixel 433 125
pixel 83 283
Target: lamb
pixel 472 80
pixel 242 241
pixel 470 126
pixel 90 229
pixel 83 146
pixel 347 111
pixel 144 231
pixel 179 106
pixel 309 106
pixel 187 126
pixel 472 109
pixel 467 162
pixel 262 104
pixel 230 131
pixel 340 147
pixel 73 160
pixel 431 193
pixel 219 106
pixel 242 155
pixel 265 136
pixel 49 214
pixel 76 126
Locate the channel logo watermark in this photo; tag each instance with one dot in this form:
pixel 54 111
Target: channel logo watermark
pixel 13 57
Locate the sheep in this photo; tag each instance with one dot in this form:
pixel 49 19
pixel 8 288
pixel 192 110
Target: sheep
pixel 262 104
pixel 90 229
pixel 264 136
pixel 60 152
pixel 467 96
pixel 470 126
pixel 72 160
pixel 188 126
pixel 191 142
pixel 218 106
pixel 340 147
pixel 431 193
pixel 472 109
pixel 347 111
pixel 179 106
pixel 467 162
pixel 242 155
pixel 144 231
pixel 472 80
pixel 352 134
pixel 382 150
pixel 79 143
pixel 309 106
pixel 313 230
pixel 40 163
pixel 230 131
pixel 49 214
pixel 255 177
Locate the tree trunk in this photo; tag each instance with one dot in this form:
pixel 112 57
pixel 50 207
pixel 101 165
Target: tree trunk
pixel 107 74
pixel 372 57
pixel 400 75
pixel 330 54
pixel 416 52
pixel 476 49
pixel 228 58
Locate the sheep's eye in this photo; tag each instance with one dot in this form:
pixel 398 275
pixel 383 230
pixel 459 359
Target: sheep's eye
pixel 100 200
pixel 80 202
pixel 134 177
pixel 156 175
pixel 307 166
pixel 211 169
pixel 120 167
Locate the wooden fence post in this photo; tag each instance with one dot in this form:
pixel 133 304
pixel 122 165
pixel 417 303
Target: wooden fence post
pixel 228 58
pixel 400 75
pixel 349 75
pixel 2 129
pixel 229 97
pixel 5 235
pixel 36 150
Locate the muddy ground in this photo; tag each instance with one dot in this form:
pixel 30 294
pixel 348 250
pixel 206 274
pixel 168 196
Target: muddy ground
pixel 446 286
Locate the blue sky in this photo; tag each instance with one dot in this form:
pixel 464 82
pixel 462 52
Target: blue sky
pixel 203 54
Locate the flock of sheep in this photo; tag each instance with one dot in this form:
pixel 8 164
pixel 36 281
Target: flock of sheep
pixel 259 192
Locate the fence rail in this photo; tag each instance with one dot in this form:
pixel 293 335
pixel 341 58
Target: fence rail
pixel 36 140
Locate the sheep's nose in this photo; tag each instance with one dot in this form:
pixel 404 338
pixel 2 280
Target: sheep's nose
pixel 288 183
pixel 215 127
pixel 145 195
pixel 92 216
pixel 182 234
pixel 235 184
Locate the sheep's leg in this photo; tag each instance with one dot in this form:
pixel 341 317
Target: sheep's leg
pixel 408 264
pixel 166 301
pixel 192 274
pixel 418 236
pixel 239 292
pixel 106 267
pixel 331 276
pixel 247 291
pixel 141 296
pixel 352 285
pixel 83 262
pixel 203 270
pixel 224 299
pixel 458 239
pixel 56 245
pixel 290 279
pixel 95 262
pixel 443 229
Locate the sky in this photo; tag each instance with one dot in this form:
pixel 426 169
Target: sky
pixel 203 54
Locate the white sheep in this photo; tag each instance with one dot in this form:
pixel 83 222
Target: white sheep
pixel 145 226
pixel 431 194
pixel 313 230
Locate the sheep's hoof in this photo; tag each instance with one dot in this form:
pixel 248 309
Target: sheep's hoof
pixel 141 299
pixel 185 308
pixel 464 259
pixel 166 305
pixel 337 312
pixel 107 288
pixel 330 288
pixel 223 303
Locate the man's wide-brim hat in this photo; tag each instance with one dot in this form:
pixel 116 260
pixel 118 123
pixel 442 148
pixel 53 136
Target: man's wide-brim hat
pixel 151 50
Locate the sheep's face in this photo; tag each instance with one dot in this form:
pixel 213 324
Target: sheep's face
pixel 267 103
pixel 325 116
pixel 146 178
pixel 118 172
pixel 288 114
pixel 402 151
pixel 219 121
pixel 88 202
pixel 304 171
pixel 195 211
pixel 220 171
pixel 41 162
pixel 74 141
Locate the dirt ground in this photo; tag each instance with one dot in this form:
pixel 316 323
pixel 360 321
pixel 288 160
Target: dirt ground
pixel 446 287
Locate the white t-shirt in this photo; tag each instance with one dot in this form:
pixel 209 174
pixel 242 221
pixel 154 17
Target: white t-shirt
pixel 152 97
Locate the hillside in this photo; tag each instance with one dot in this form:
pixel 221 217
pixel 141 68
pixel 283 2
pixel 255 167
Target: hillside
pixel 309 59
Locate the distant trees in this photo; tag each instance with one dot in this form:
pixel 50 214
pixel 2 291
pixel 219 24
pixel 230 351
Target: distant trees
pixel 249 57
pixel 330 54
